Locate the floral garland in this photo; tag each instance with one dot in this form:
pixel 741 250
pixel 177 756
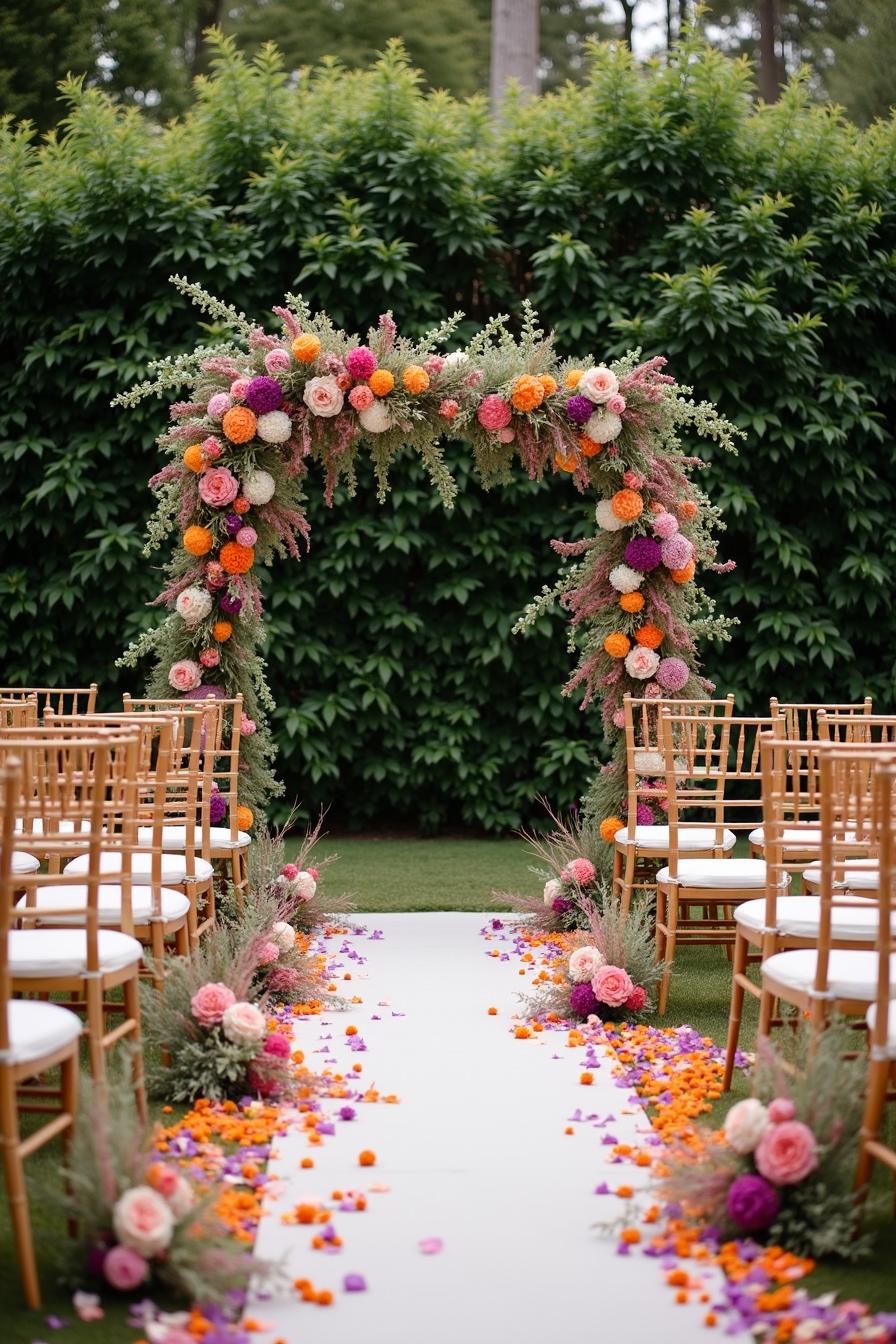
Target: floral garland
pixel 262 408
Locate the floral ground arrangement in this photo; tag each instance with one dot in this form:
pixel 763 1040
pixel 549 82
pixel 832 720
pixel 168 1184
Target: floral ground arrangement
pixel 756 1200
pixel 264 410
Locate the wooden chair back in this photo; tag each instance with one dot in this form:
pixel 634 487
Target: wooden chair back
pixel 801 721
pixel 866 728
pixel 644 753
pixel 18 713
pixel 62 699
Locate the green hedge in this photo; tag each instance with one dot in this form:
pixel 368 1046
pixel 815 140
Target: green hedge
pixel 650 206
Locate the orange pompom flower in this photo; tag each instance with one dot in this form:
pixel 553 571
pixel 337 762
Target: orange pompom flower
pixel 415 379
pixel 548 383
pixel 367 1158
pixel 306 348
pixel 684 575
pixel 649 636
pixel 221 631
pixel 237 559
pixel 608 828
pixel 194 457
pixel 566 461
pixel 617 645
pixel 244 818
pixel 241 504
pixel 239 424
pixel 631 602
pixel 381 382
pixel 687 508
pixel 573 378
pixel 589 447
pixel 527 393
pixel 627 505
pixel 198 540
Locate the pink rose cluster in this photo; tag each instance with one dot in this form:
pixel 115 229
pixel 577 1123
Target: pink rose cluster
pixel 783 1148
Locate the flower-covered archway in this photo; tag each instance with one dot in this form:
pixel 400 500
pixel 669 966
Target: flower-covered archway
pixel 262 409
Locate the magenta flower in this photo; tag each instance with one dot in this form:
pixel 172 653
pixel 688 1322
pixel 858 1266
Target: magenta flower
pixel 264 394
pixel 752 1203
pixel 360 362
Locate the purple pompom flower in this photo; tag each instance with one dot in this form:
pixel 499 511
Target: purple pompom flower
pixel 217 809
pixel 752 1202
pixel 672 673
pixel 644 814
pixel 231 606
pixel 232 524
pixel 264 394
pixel 579 409
pixel 582 1001
pixel 560 906
pixel 643 554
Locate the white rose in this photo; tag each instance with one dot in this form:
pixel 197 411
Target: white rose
pixel 182 1198
pixel 455 358
pixel 243 1023
pixel 376 419
pixel 598 385
pixel 143 1221
pixel 584 964
pixel 606 518
pixel 274 427
pixel 641 663
pixel 624 579
pixel 304 886
pixel 552 890
pixel 745 1125
pixel 258 487
pixel 283 934
pixel 323 396
pixel 603 427
pixel 193 605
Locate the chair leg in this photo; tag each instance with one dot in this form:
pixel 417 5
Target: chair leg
pixel 669 949
pixel 132 1008
pixel 182 941
pixel 766 1007
pixel 96 1029
pixel 628 879
pixel 157 934
pixel 738 968
pixel 17 1193
pixel 68 1087
pixel 875 1101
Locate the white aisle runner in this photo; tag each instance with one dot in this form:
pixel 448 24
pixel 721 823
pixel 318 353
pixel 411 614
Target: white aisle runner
pixel 475 1155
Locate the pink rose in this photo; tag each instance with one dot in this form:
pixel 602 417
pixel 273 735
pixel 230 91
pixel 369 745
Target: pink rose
pixel 124 1269
pixel 449 408
pixel 653 691
pixel 494 412
pixel 361 398
pixel 209 657
pixel 211 447
pixel 641 663
pixel 247 536
pixel 786 1153
pixel 143 1221
pixel 163 1178
pixel 209 1004
pixel 619 718
pixel 323 397
pixel 305 886
pixel 632 479
pixel 247 726
pixel 185 675
pixel 616 403
pixel 781 1109
pixel 612 986
pixel 218 487
pixel 278 1045
pixel 283 934
pixel 277 361
pixel 637 999
pixel 239 387
pixel 268 953
pixel 598 384
pixel 243 1023
pixel 579 870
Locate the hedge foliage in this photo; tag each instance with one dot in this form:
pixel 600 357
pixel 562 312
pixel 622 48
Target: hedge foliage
pixel 652 206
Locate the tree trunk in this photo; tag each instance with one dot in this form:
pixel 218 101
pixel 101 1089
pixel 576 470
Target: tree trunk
pixel 514 46
pixel 670 37
pixel 628 7
pixel 209 14
pixel 769 82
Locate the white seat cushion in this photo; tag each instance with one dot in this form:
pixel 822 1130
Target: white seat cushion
pixel 854 878
pixel 37 1029
pixel 24 863
pixel 798 917
pixel 806 837
pixel 60 827
pixel 174 905
pixel 173 867
pixel 174 837
pixel 657 838
pixel 731 874
pixel 46 953
pixel 871 1018
pixel 852 974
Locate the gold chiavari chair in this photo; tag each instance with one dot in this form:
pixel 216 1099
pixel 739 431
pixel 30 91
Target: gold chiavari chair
pixel 712 769
pixel 783 918
pixel 35 1037
pixel 18 713
pixel 881 1016
pixel 88 780
pixel 824 978
pixel 853 729
pixel 61 699
pixel 229 845
pixel 640 847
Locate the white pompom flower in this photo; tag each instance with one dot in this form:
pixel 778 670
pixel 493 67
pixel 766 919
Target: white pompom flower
pixel 603 427
pixel 625 579
pixel 274 427
pixel 193 605
pixel 552 889
pixel 376 419
pixel 606 518
pixel 258 487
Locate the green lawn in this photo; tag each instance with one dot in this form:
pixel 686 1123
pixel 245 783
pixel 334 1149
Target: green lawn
pixel 409 874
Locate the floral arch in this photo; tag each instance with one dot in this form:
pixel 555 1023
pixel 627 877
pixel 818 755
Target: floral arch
pixel 263 408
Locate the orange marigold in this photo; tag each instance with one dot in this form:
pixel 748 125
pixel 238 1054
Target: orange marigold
pixel 306 348
pixel 608 828
pixel 589 447
pixel 221 631
pixel 573 378
pixel 548 383
pixel 237 559
pixel 617 645
pixel 241 504
pixel 566 461
pixel 194 457
pixel 687 508
pixel 649 636
pixel 198 540
pixel 239 424
pixel 244 818
pixel 631 602
pixel 527 393
pixel 414 379
pixel 381 382
pixel 627 505
pixel 684 575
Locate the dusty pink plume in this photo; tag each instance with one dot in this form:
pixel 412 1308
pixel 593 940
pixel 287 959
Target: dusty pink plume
pixel 389 330
pixel 724 567
pixel 180 432
pixel 289 320
pixel 222 365
pixel 260 340
pixel 175 589
pixel 169 473
pixel 181 408
pixel 188 503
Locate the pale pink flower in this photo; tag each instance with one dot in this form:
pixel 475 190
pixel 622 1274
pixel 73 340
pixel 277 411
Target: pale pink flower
pixel 268 953
pixel 124 1269
pixel 598 384
pixel 434 365
pixel 641 663
pixel 506 436
pixel 143 1221
pixel 215 576
pixel 218 487
pixel 449 408
pixel 181 1198
pixel 619 718
pixel 633 479
pixel 612 986
pixel 184 675
pixel 787 1153
pixel 584 964
pixel 552 889
pixel 616 403
pixel 782 1108
pixel 247 726
pixel 277 361
pixel 209 1004
pixel 209 657
pixel 239 387
pixel 323 397
pixel 579 870
pixel 665 525
pixel 283 934
pixel 653 691
pixel 211 448
pixel 218 405
pixel 193 605
pixel 243 1023
pixel 745 1125
pixel 247 536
